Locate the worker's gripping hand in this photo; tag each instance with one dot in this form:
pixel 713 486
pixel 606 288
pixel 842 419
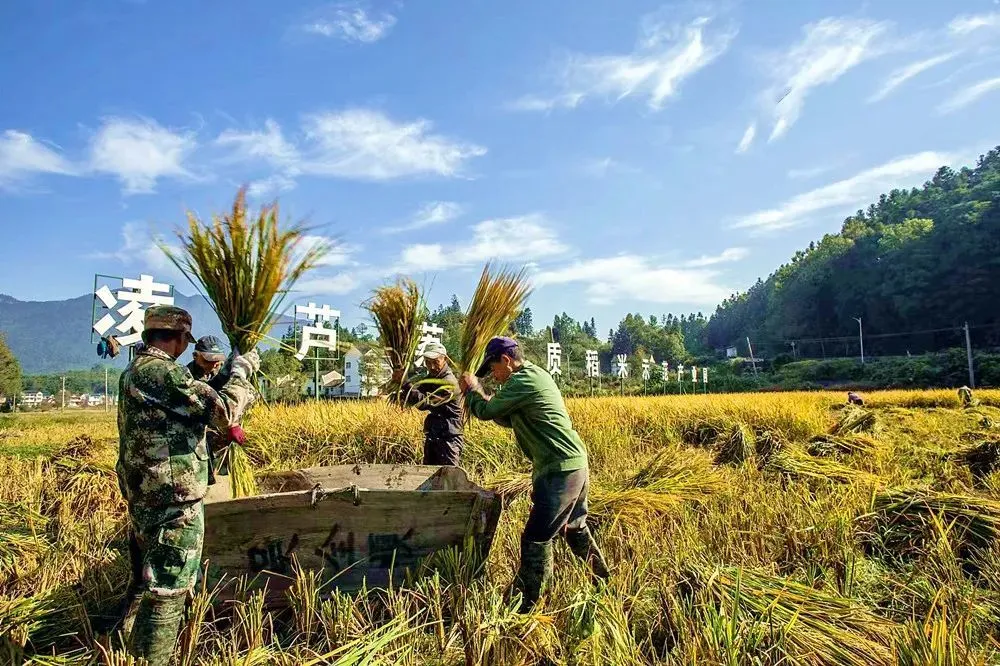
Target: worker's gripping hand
pixel 469 382
pixel 237 435
pixel 246 365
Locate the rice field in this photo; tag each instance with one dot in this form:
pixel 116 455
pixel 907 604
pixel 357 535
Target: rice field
pixel 741 529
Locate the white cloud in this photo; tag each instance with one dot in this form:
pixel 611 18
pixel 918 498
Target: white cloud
pixel 666 55
pixel 966 23
pixel 809 172
pixel 270 186
pixel 337 253
pixel 728 255
pixel 900 76
pixel 22 155
pixel 140 152
pixel 747 139
pixel 850 193
pixel 429 215
pixel 139 249
pixel 969 95
pixel 600 168
pixel 351 23
pixel 335 285
pixel 358 144
pixel 829 49
pixel 268 145
pixel 368 145
pixel 630 277
pixel 516 238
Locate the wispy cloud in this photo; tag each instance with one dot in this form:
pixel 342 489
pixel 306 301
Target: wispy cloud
pixel 809 172
pixel 140 152
pixel 429 215
pixel 667 54
pixel 270 186
pixel 21 155
pixel 600 168
pixel 828 49
pixel 968 95
pixel 357 144
pixel 627 277
pixel 900 76
pixel 140 249
pixel 847 194
pixel 368 145
pixel 966 23
pixel 350 22
pixel 726 256
pixel 523 238
pixel 333 285
pixel 747 139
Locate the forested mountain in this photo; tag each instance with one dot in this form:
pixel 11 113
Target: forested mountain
pixel 915 260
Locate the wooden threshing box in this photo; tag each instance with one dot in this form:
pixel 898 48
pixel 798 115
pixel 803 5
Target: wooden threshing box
pixel 351 522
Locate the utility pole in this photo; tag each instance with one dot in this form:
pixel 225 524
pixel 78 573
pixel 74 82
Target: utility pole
pixel 794 355
pixel 861 339
pixel 753 361
pixel 968 354
pixel 64 393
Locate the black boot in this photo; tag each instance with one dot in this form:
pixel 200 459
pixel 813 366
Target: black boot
pixel 534 573
pixel 581 543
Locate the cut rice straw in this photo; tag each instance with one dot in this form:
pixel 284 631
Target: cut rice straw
pixel 498 299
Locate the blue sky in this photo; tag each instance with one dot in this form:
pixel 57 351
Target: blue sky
pixel 636 156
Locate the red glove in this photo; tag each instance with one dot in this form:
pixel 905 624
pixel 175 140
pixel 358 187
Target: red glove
pixel 237 435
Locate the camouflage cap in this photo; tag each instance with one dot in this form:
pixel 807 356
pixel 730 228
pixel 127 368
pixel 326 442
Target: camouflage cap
pixel 210 348
pixel 168 318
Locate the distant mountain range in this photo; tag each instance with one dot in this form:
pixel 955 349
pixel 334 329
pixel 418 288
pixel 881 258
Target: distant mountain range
pixel 53 336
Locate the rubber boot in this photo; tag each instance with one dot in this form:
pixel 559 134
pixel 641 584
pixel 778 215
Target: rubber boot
pixel 157 623
pixel 581 543
pixel 534 572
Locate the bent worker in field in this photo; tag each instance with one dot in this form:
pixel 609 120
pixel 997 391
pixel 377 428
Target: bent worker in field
pixel 530 402
pixel 441 399
pixel 163 470
pixel 205 366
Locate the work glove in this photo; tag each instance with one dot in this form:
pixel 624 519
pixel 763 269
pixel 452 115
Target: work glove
pixel 246 365
pixel 237 435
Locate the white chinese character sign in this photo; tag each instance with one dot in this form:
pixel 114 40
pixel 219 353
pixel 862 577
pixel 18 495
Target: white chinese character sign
pixel 666 371
pixel 680 371
pixel 645 368
pixel 694 375
pixel 133 297
pixel 704 376
pixel 315 336
pixel 593 364
pixel 554 351
pixel 429 333
pixel 622 366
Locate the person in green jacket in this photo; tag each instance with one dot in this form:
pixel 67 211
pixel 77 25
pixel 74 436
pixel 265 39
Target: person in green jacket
pixel 530 403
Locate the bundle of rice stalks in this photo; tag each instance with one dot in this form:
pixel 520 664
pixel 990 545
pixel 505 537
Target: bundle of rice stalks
pixel 903 524
pixel 688 475
pixel 769 443
pixel 855 420
pixel 814 627
pixel 736 446
pixel 498 299
pixel 511 486
pixel 796 464
pixel 396 310
pixel 703 432
pixel 830 445
pixel 982 457
pixel 245 267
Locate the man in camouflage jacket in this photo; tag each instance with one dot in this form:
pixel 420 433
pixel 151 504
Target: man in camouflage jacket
pixel 163 462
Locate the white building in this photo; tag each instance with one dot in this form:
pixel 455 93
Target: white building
pixel 357 367
pixel 330 384
pixel 32 399
pixel 353 371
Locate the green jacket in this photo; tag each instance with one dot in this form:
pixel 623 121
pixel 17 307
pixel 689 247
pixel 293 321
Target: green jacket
pixel 531 404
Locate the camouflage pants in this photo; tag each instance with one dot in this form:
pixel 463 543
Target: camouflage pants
pixel 169 544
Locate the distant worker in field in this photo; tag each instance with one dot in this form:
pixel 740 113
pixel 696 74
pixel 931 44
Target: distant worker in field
pixel 855 399
pixel 530 403
pixel 207 360
pixel 163 470
pixel 441 399
pixel 965 397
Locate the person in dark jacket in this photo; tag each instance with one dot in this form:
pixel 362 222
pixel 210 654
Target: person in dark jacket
pixel 437 393
pixel 207 361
